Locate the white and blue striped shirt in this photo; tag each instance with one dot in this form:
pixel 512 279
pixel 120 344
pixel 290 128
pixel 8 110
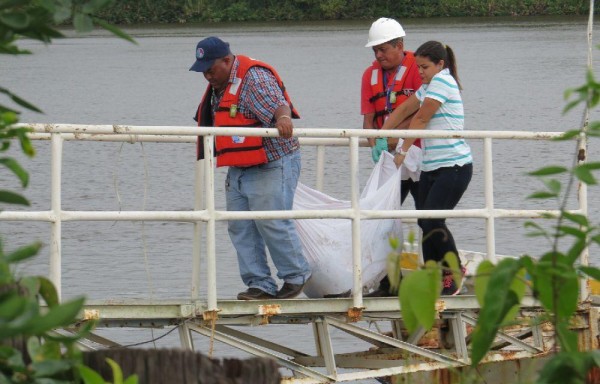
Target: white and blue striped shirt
pixel 438 153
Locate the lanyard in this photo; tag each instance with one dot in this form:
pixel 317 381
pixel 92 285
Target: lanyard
pixel 390 95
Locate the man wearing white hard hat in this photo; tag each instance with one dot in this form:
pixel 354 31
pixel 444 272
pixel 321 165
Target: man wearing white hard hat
pixel 390 80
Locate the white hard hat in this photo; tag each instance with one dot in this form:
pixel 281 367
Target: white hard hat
pixel 384 30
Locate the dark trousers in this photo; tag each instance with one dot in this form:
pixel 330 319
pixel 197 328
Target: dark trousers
pixel 407 186
pixel 440 189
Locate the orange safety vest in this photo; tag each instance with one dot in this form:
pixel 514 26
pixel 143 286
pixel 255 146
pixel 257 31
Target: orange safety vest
pixel 380 97
pixel 237 151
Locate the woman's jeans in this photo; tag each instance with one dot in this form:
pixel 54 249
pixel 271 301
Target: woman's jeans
pixel 266 187
pixel 441 189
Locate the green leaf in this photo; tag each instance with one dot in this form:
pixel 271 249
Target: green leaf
pixel 553 170
pixel 418 293
pixel 34 349
pixel 553 185
pixel 90 376
pixel 15 361
pixel 576 218
pixel 572 231
pixel 49 368
pixel 569 135
pixel 82 332
pixel 22 102
pixel 11 306
pixel 58 316
pixel 540 230
pixel 576 249
pixel 408 314
pixel 31 286
pixel 48 292
pixel 116 370
pixel 482 277
pixel 133 379
pixel 23 253
pixel 22 322
pixel 567 338
pixel 12 198
pixel 499 299
pixel 16 168
pixel 584 175
pixel 592 272
pixel 542 195
pixel 564 368
pixel 26 145
pixel 557 285
pixel 15 20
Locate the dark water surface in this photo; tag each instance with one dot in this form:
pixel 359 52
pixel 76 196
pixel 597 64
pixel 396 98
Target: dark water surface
pixel 514 73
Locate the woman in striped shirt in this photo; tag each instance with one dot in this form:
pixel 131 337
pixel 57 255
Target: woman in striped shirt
pixel 447 163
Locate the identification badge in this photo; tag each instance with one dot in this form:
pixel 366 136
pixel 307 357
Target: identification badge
pixel 233 111
pixel 392 97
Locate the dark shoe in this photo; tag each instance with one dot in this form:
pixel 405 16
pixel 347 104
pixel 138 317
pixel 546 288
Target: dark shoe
pixel 449 286
pixel 254 294
pixel 338 295
pixel 289 291
pixel 379 292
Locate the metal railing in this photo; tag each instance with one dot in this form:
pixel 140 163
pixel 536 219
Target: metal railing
pixel 204 202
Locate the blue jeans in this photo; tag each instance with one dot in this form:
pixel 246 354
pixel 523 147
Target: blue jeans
pixel 266 187
pixel 441 189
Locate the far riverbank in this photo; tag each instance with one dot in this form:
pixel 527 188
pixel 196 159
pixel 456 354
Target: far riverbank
pixel 214 11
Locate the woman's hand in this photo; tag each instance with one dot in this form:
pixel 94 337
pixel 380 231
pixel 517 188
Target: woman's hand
pixel 398 159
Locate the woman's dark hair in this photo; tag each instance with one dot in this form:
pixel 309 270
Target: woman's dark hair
pixel 436 51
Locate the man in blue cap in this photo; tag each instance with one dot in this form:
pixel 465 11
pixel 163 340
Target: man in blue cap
pixel 263 172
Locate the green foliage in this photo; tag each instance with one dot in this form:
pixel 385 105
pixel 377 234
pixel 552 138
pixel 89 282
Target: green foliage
pixel 554 277
pixel 90 376
pixel 173 11
pixel 30 309
pixel 418 294
pixel 499 290
pixel 23 318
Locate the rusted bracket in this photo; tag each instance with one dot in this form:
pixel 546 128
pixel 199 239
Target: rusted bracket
pixel 210 316
pixel 355 314
pixel 267 311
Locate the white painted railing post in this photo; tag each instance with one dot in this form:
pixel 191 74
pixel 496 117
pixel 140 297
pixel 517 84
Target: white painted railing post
pixel 56 226
pixel 211 260
pixel 356 243
pixel 582 195
pixel 489 199
pixel 198 225
pixel 320 166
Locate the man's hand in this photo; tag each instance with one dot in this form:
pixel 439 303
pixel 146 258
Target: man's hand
pixel 380 146
pixel 285 126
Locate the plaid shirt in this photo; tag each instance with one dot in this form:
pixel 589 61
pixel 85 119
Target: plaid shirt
pixel 260 96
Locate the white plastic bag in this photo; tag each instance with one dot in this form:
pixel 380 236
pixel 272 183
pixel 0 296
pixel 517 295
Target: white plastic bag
pixel 327 243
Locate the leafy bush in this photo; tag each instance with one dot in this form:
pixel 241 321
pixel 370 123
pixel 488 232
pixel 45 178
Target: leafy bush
pixel 31 351
pixel 554 277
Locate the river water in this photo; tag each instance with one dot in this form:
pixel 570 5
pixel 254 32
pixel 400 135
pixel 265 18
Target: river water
pixel 514 72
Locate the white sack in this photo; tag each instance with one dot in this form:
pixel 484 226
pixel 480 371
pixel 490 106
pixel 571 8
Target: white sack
pixel 327 243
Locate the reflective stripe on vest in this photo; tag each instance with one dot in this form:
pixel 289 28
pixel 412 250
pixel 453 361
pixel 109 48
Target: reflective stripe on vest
pixel 379 98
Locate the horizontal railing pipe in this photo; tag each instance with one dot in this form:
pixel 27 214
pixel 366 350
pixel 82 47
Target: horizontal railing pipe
pixel 319 137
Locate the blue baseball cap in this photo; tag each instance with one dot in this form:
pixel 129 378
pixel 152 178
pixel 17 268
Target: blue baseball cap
pixel 207 51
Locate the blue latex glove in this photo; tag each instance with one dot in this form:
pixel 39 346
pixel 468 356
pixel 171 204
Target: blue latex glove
pixel 380 146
